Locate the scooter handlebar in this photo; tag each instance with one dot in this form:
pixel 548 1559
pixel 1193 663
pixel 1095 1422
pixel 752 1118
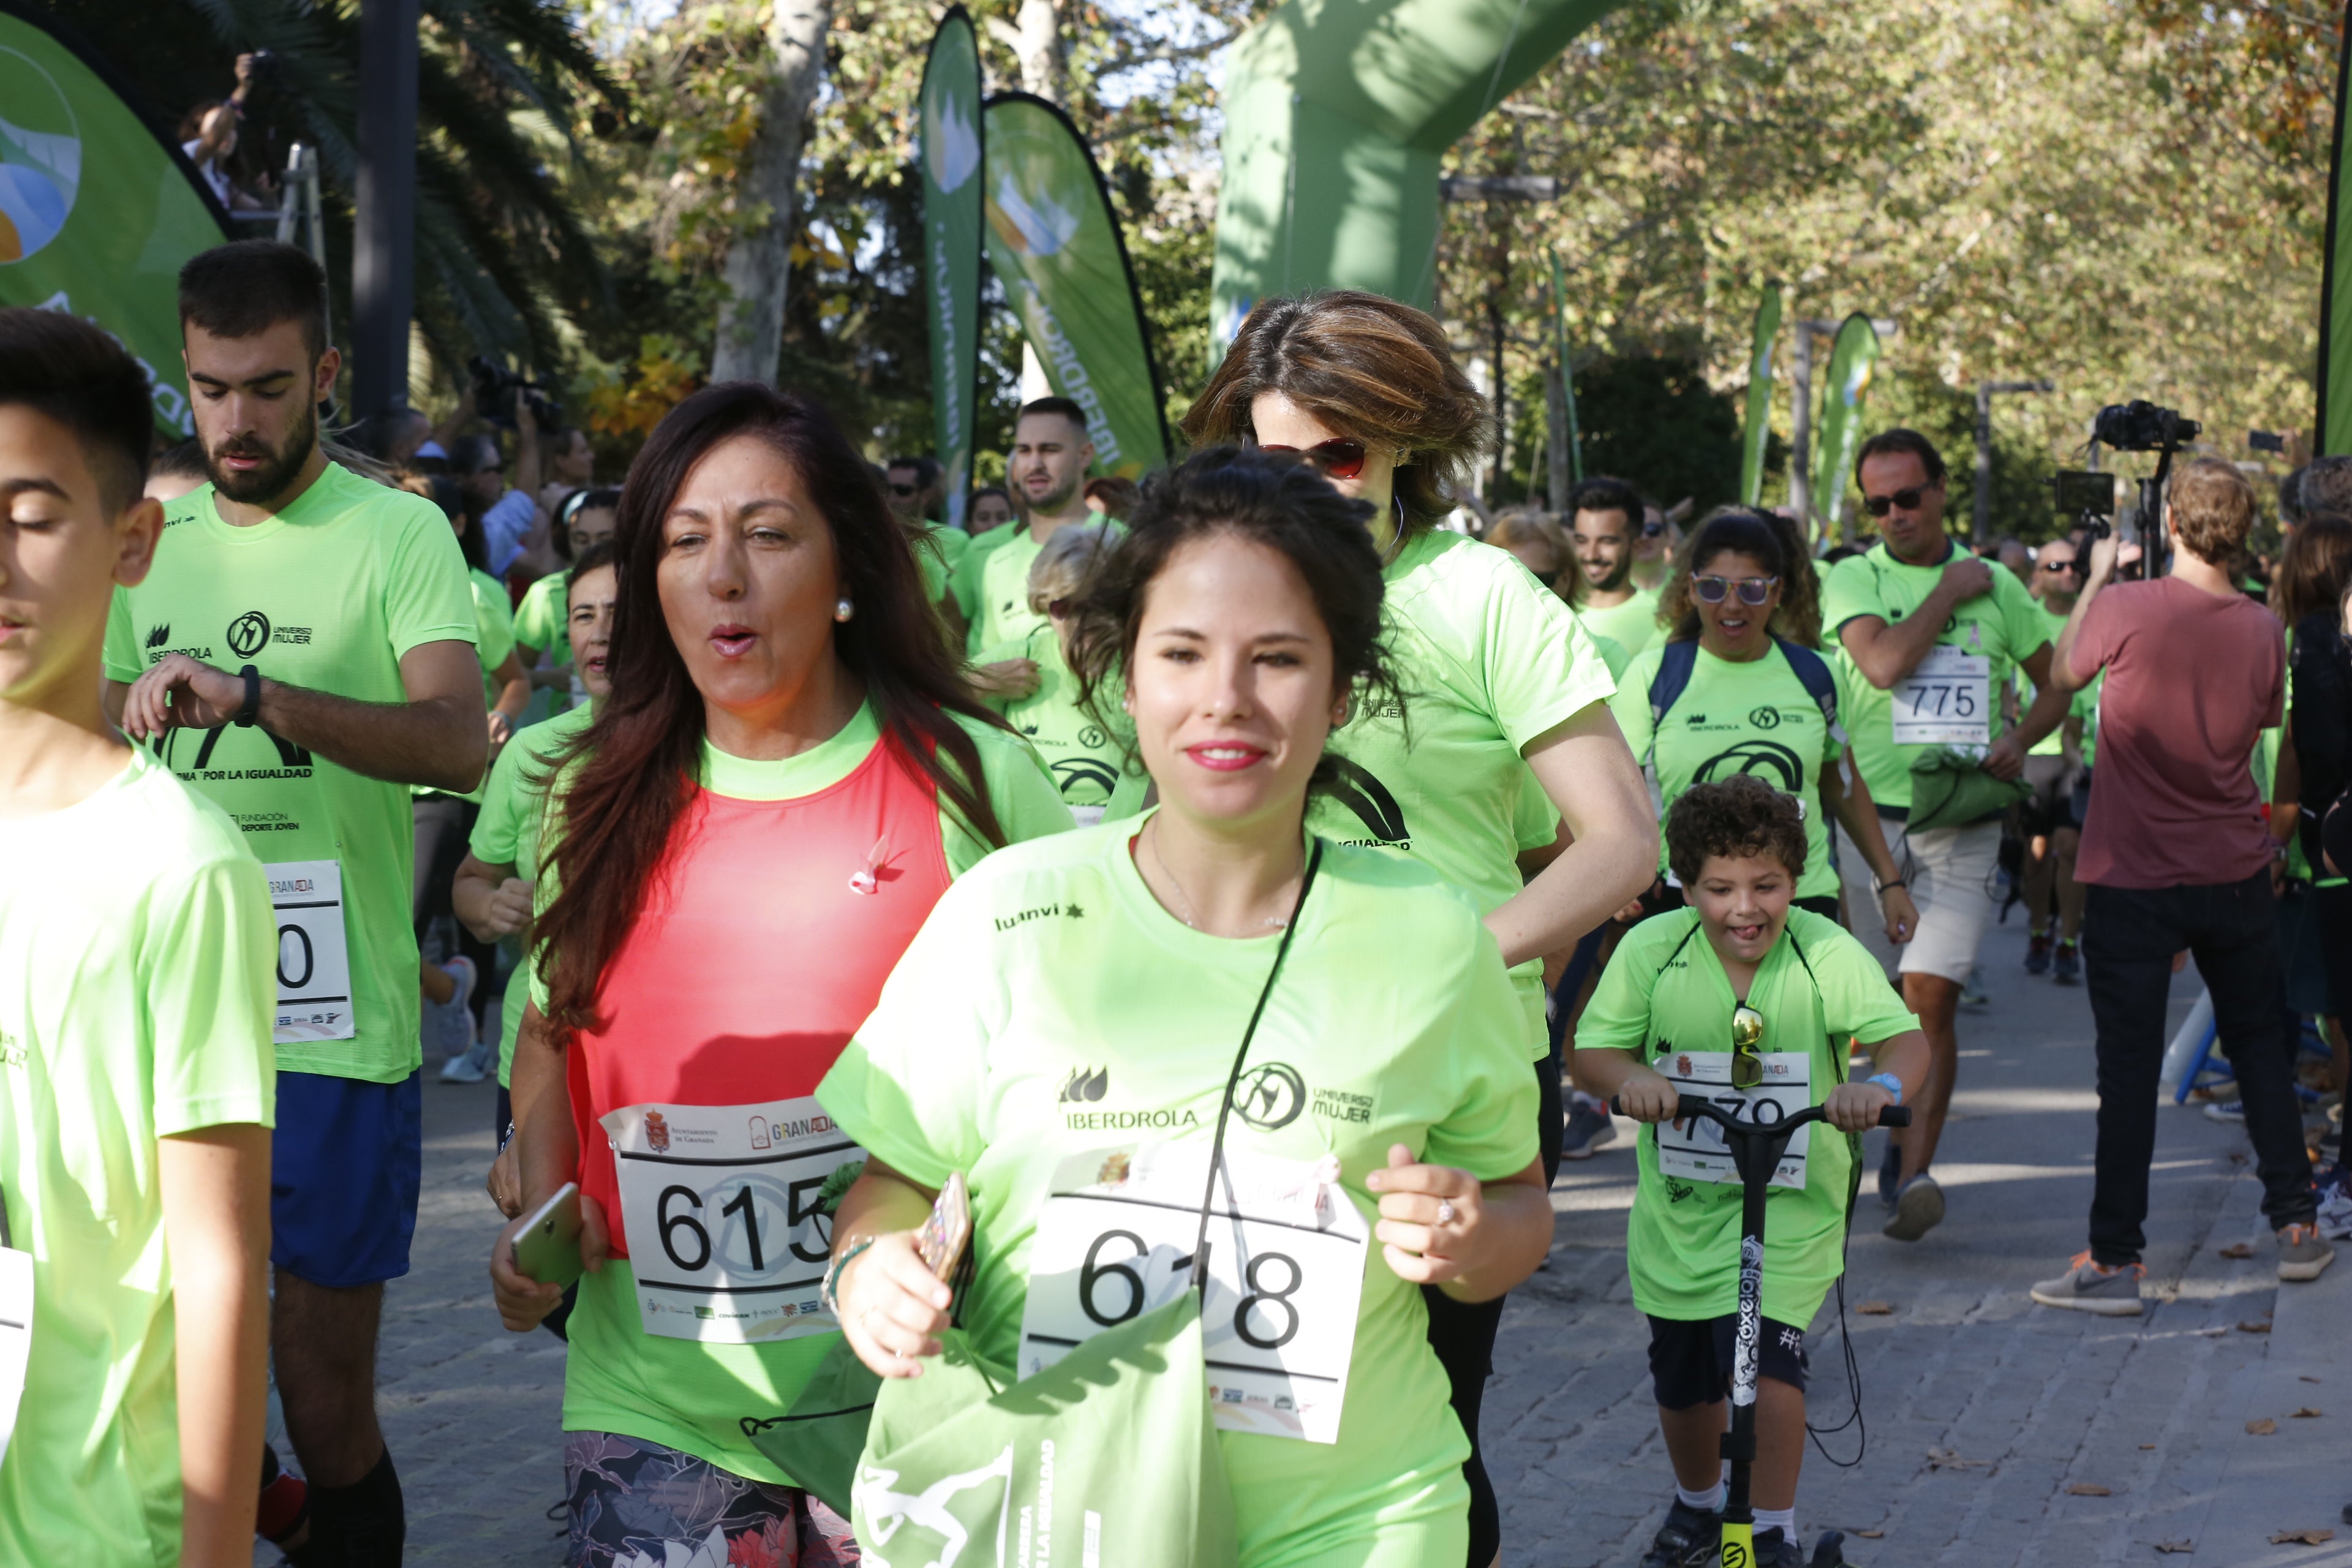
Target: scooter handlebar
pixel 1700 1105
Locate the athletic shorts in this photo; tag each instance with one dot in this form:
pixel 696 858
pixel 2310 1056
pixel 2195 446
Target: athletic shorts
pixel 1690 1360
pixel 2052 804
pixel 344 1166
pixel 1950 873
pixel 628 1501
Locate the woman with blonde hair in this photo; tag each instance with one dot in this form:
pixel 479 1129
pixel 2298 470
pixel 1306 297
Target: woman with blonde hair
pixel 1541 546
pixel 1507 691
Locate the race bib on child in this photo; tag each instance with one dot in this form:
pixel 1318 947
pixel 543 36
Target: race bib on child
pixel 1698 1152
pixel 1285 1271
pixel 729 1213
pixel 314 964
pixel 16 1336
pixel 1948 700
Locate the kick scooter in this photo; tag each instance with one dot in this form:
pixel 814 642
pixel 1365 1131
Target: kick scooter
pixel 1756 1149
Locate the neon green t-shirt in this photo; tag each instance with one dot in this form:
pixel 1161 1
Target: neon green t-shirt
pixel 327 594
pixel 1490 661
pixel 1052 965
pixel 2002 627
pixel 1752 718
pixel 937 551
pixel 1633 624
pixel 136 993
pixel 618 1378
pixel 1085 758
pixel 1004 614
pixel 507 833
pixel 964 576
pixel 494 629
pixel 1665 992
pixel 1613 654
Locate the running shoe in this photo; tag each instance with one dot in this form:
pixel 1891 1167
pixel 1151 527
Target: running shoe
pixel 2335 1204
pixel 1689 1539
pixel 1918 1208
pixel 2066 963
pixel 2304 1253
pixel 1775 1549
pixel 2085 1286
pixel 1972 991
pixel 480 1059
pixel 2233 1112
pixel 2037 952
pixel 1589 1128
pixel 452 1022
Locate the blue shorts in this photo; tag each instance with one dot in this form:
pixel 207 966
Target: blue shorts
pixel 344 1166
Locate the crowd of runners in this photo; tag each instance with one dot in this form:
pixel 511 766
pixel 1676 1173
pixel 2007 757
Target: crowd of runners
pixel 920 949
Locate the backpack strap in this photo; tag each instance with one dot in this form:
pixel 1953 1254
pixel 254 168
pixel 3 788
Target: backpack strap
pixel 1814 675
pixel 1676 662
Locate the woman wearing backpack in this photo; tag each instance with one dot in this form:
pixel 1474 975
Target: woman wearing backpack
pixel 1733 689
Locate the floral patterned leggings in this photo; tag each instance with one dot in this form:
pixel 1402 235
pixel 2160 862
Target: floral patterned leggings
pixel 636 1504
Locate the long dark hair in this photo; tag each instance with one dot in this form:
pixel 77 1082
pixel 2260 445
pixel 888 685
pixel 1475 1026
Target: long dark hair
pixel 1268 499
pixel 631 772
pixel 1775 541
pixel 2313 568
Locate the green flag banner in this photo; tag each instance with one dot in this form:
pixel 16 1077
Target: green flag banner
pixel 1054 243
pixel 953 183
pixel 97 212
pixel 1851 361
pixel 2332 433
pixel 1567 371
pixel 1759 434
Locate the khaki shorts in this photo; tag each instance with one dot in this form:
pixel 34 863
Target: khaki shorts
pixel 1950 871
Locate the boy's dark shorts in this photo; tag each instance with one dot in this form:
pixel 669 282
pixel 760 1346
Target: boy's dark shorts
pixel 1690 1361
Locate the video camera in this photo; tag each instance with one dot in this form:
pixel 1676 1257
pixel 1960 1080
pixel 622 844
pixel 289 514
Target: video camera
pixel 498 389
pixel 2140 425
pixel 2086 499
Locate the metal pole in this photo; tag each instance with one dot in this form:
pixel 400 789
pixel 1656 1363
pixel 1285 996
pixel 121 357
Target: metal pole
pixel 1801 426
pixel 383 249
pixel 1556 417
pixel 1980 524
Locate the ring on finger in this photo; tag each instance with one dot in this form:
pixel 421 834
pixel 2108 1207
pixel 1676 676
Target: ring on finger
pixel 1445 1210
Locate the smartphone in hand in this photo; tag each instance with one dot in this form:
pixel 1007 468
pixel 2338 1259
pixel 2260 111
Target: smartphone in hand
pixel 547 1246
pixel 947 1232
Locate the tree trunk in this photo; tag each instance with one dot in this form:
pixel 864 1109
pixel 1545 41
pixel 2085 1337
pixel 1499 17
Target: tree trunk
pixel 1036 40
pixel 759 259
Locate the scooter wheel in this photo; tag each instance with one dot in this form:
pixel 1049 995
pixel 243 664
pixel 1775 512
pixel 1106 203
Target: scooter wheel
pixel 1830 1551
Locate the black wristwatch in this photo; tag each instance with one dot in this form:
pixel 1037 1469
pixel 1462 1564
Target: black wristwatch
pixel 249 712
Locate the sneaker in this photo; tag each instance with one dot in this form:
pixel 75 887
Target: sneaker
pixel 479 1062
pixel 2304 1252
pixel 1918 1208
pixel 2336 1206
pixel 1890 1174
pixel 2087 1287
pixel 2066 963
pixel 2233 1112
pixel 1689 1539
pixel 452 1023
pixel 1972 990
pixel 1774 1549
pixel 2037 952
pixel 1589 1128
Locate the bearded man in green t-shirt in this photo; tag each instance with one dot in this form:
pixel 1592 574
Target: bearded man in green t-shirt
pixel 1936 634
pixel 1604 527
pixel 302 653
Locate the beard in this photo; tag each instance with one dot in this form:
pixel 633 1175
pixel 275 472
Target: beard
pixel 277 470
pixel 1053 501
pixel 1617 574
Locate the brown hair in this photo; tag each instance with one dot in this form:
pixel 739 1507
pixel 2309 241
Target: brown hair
pixel 1116 493
pixel 2212 509
pixel 1734 817
pixel 2313 568
pixel 1368 366
pixel 1775 541
pixel 631 772
pixel 1524 524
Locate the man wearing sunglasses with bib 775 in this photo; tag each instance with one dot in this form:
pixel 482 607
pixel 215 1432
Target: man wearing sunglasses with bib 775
pixel 1935 635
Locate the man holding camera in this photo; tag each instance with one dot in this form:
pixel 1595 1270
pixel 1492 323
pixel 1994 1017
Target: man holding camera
pixel 2176 856
pixel 1934 634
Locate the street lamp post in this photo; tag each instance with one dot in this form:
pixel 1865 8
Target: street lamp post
pixel 1980 526
pixel 383 248
pixel 1499 188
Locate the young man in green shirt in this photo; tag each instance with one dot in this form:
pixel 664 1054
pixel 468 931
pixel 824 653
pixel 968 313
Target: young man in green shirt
pixel 2053 767
pixel 1934 634
pixel 135 1063
pixel 1666 1020
pixel 303 653
pixel 1604 523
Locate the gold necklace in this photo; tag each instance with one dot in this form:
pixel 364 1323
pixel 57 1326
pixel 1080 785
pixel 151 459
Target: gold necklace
pixel 1188 913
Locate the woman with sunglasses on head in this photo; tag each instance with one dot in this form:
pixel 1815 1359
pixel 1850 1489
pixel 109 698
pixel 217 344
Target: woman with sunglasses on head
pixel 787 774
pixel 1737 687
pixel 1508 692
pixel 1067 993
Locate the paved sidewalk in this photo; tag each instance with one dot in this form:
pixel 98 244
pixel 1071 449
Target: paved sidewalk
pixel 2034 1401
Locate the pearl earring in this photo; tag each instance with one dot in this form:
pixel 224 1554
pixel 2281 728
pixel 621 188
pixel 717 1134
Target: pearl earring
pixel 843 609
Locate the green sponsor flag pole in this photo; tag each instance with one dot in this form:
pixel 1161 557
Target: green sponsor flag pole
pixel 1851 361
pixel 1567 371
pixel 1759 434
pixel 97 211
pixel 952 182
pixel 1056 244
pixel 2332 430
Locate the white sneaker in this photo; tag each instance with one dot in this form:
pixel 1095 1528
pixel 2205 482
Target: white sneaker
pixel 450 1024
pixel 473 1066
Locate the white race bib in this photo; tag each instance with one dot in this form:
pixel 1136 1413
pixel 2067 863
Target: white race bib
pixel 16 1335
pixel 724 1207
pixel 1698 1153
pixel 314 963
pixel 1287 1252
pixel 1948 700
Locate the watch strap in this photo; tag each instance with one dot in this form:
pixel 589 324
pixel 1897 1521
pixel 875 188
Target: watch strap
pixel 249 712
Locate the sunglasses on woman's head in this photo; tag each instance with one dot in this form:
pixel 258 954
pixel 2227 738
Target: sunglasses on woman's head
pixel 1339 457
pixel 1908 500
pixel 1752 590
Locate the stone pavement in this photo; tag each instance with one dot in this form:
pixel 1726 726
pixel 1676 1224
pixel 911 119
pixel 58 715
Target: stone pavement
pixel 2028 1401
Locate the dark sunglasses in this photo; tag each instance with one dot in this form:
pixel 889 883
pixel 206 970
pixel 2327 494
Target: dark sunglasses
pixel 1752 590
pixel 1339 457
pixel 2060 565
pixel 1651 530
pixel 1746 1046
pixel 900 489
pixel 1908 500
